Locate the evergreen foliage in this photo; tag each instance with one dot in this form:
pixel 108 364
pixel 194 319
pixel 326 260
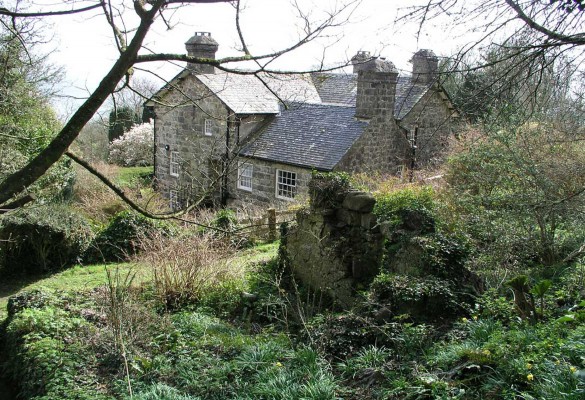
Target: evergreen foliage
pixel 42 239
pixel 121 120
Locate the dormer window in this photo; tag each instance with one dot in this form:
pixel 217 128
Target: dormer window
pixel 208 127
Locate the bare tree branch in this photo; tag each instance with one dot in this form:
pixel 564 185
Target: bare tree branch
pixel 14 14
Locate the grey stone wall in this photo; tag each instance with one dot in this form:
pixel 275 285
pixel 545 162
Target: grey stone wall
pixel 340 247
pixel 336 250
pixel 434 120
pixel 382 148
pixel 263 192
pixel 180 125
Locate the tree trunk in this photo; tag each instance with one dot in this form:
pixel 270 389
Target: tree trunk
pixel 27 175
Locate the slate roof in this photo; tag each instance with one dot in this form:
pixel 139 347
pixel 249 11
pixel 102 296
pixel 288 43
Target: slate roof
pixel 308 135
pixel 342 89
pixel 408 93
pixel 295 88
pixel 243 94
pixel 246 94
pixel 336 88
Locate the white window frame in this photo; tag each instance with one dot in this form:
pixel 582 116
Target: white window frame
pixel 174 200
pixel 285 187
pixel 174 167
pixel 245 175
pixel 411 135
pixel 400 171
pixel 208 127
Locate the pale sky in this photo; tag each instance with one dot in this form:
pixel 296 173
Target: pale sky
pixel 85 46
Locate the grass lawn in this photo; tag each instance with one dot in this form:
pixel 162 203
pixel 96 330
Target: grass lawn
pixel 74 278
pixel 88 277
pixel 128 176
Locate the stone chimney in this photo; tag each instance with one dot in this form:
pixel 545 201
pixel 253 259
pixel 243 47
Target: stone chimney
pixel 376 89
pixel 359 60
pixel 202 45
pixel 425 66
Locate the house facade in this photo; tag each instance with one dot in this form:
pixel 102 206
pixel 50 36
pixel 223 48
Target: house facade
pixel 244 139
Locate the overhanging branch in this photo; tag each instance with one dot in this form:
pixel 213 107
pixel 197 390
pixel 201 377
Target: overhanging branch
pixel 15 14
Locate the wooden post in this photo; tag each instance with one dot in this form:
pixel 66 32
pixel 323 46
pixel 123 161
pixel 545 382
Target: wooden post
pixel 271 215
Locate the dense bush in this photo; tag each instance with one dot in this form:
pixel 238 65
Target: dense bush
pixel 401 206
pixel 42 239
pixel 47 354
pixel 327 189
pixel 135 147
pixel 123 237
pixel 518 190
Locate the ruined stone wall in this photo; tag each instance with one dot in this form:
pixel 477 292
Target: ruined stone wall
pixel 339 248
pixel 180 126
pixel 337 251
pixel 263 193
pixel 434 120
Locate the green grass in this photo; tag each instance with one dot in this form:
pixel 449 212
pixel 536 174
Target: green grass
pixel 72 279
pixel 260 253
pixel 128 176
pixel 88 277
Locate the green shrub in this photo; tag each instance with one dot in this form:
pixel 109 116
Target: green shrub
pixel 123 237
pixel 225 219
pixel 42 239
pixel 224 299
pixel 30 299
pixel 421 298
pixel 47 355
pixel 401 205
pixel 328 189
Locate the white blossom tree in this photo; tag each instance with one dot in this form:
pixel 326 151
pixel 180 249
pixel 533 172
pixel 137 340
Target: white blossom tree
pixel 135 148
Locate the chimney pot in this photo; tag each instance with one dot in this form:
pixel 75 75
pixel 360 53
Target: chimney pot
pixel 201 45
pixel 425 65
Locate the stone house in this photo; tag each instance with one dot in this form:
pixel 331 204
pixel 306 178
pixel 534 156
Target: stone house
pixel 256 138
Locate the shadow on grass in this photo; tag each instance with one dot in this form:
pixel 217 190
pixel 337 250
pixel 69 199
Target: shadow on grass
pixel 10 285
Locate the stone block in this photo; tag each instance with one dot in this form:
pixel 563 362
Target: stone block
pixel 368 221
pixel 387 229
pixel 349 217
pixel 362 202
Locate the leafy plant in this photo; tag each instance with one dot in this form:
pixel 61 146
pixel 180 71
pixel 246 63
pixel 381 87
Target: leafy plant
pixel 540 289
pixel 327 189
pixel 391 206
pixel 42 239
pixel 123 237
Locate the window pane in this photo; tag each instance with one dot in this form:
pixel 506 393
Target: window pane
pixel 245 172
pixel 174 163
pixel 286 183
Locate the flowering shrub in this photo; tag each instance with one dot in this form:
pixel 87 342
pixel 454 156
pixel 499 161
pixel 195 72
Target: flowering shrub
pixel 135 147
